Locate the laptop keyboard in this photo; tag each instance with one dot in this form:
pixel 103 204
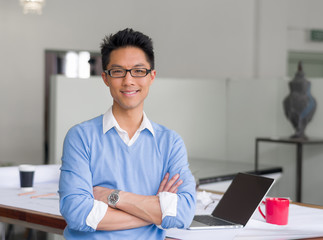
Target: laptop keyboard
pixel 211 221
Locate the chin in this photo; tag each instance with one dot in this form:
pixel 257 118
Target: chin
pixel 129 106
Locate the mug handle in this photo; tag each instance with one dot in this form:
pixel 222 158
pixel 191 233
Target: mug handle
pixel 262 214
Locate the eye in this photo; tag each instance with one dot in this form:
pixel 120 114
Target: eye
pixel 139 70
pixel 117 71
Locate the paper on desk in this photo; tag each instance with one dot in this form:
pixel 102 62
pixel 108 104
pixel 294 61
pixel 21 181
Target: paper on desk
pixel 47 204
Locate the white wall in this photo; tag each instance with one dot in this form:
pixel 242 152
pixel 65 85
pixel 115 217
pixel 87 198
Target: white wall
pixel 270 38
pixel 192 39
pixel 73 101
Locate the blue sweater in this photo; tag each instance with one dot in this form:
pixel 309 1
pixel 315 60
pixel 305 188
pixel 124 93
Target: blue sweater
pixel 91 158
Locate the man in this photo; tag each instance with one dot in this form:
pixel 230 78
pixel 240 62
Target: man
pixel 123 176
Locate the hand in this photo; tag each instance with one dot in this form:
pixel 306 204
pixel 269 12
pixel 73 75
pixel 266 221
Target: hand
pixel 171 185
pixel 101 193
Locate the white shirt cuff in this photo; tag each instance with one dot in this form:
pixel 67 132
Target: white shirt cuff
pixel 97 213
pixel 168 204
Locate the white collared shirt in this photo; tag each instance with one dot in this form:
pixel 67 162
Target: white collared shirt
pixel 109 122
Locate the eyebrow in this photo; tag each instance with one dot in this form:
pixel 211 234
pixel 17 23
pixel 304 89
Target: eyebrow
pixel 119 66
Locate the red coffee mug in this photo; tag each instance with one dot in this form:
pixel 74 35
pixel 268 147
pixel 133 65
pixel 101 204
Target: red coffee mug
pixel 276 210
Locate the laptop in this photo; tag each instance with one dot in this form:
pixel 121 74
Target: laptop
pixel 238 203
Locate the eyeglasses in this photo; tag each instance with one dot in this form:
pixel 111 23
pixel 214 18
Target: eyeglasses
pixel 134 72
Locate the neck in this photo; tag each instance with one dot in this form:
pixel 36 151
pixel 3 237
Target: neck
pixel 129 120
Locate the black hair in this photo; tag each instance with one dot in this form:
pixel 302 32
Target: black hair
pixel 127 38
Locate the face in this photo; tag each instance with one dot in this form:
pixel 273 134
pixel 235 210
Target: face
pixel 129 92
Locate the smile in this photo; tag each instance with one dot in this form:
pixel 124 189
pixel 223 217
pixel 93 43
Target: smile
pixel 129 92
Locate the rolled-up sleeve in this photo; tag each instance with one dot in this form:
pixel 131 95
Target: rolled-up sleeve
pixel 75 184
pixel 186 195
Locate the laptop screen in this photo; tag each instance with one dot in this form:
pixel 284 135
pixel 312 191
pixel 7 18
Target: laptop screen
pixel 242 198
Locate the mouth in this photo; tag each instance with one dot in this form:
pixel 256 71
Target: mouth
pixel 129 93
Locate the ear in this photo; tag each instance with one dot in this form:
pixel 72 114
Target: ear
pixel 153 76
pixel 105 78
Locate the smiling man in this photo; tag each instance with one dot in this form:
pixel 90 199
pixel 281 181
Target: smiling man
pixel 124 176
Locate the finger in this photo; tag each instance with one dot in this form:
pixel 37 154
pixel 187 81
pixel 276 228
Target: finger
pixel 171 182
pixel 163 183
pixel 174 188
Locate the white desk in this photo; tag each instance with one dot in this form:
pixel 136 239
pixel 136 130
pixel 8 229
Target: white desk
pixel 304 222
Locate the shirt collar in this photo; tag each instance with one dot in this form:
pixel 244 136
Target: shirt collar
pixel 109 122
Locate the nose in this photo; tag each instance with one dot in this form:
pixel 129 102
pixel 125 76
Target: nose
pixel 128 79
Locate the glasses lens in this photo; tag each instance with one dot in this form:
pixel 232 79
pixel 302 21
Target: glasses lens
pixel 138 72
pixel 117 72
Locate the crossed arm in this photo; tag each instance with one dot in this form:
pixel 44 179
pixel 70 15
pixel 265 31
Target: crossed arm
pixel 134 210
pixel 85 215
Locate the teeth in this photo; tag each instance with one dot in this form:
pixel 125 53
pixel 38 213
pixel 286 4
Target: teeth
pixel 130 92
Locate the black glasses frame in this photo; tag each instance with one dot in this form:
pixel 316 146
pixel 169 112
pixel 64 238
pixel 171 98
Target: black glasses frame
pixel 128 70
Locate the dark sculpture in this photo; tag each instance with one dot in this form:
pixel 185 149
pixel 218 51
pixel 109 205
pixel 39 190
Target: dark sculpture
pixel 299 105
